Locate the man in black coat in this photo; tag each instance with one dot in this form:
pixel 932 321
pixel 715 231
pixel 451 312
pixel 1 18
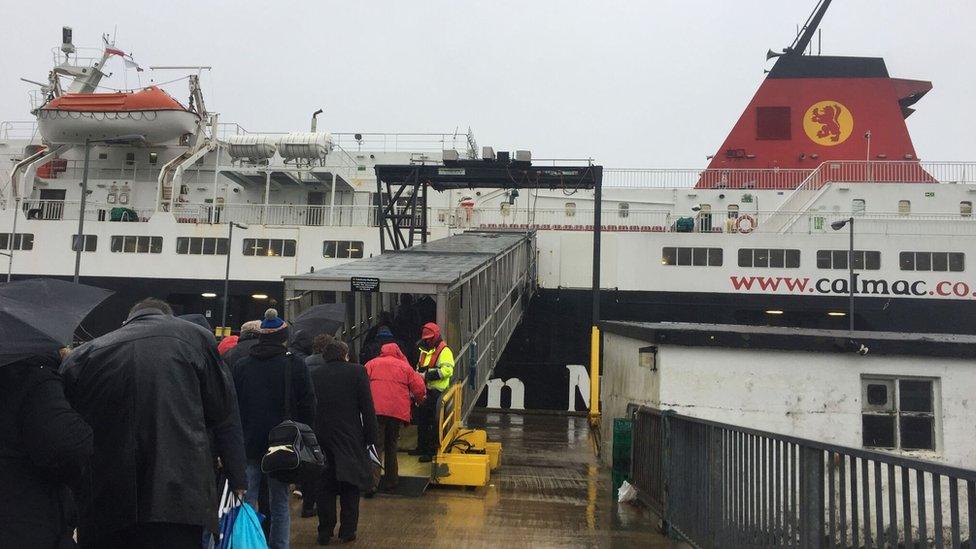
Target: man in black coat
pixel 150 390
pixel 44 447
pixel 260 383
pixel 345 423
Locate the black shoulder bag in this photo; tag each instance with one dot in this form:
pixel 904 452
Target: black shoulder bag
pixel 293 453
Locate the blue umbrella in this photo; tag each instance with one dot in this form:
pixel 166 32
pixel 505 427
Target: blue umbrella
pixel 40 315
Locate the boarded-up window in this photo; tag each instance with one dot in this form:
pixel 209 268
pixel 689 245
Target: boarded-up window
pixel 773 123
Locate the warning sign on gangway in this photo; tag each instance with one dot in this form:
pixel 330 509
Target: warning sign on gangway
pixel 364 284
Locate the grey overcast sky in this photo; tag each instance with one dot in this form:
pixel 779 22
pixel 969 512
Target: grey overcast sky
pixel 631 84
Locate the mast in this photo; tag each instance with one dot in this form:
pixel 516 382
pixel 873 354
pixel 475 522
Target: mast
pixel 803 38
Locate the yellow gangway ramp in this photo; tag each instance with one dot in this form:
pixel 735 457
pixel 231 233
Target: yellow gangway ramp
pixel 465 457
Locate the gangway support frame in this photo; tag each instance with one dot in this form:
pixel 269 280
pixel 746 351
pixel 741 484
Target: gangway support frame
pixel 403 188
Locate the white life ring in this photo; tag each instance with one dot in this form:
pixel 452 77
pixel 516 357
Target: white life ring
pixel 750 225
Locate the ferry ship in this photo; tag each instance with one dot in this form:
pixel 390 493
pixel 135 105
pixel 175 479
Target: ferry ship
pixel 173 199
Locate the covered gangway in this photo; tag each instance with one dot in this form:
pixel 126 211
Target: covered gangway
pixel 477 285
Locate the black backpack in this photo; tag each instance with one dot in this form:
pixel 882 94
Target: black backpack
pixel 293 453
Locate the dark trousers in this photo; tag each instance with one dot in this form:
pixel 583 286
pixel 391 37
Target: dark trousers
pixel 388 440
pixel 426 417
pixel 310 492
pixel 146 535
pixel 329 489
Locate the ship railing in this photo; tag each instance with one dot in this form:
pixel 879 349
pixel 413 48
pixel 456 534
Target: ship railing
pixel 853 171
pixel 82 56
pixel 70 210
pixel 874 171
pixel 894 171
pixel 227 129
pixel 734 223
pixel 401 142
pixel 733 178
pixel 117 172
pixel 286 215
pixel 18 129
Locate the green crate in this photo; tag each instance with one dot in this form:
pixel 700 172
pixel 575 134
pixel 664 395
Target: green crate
pixel 622 442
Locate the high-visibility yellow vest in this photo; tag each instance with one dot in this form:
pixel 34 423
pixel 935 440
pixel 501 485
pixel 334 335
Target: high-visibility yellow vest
pixel 444 362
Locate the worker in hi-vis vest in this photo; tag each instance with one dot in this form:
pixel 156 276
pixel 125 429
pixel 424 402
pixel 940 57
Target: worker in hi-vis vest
pixel 436 364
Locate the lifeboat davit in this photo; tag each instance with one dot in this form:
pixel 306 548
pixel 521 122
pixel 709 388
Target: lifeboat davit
pixel 150 112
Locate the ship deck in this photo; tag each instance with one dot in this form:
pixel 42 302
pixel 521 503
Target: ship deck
pixel 550 491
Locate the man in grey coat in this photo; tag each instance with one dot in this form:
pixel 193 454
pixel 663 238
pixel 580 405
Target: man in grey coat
pixel 150 390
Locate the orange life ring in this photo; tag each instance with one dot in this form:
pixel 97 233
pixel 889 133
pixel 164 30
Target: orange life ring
pixel 749 227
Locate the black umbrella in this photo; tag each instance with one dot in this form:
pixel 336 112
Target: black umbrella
pixel 321 319
pixel 197 319
pixel 40 315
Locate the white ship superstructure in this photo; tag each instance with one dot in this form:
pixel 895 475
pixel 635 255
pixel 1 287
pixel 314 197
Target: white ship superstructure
pixel 159 203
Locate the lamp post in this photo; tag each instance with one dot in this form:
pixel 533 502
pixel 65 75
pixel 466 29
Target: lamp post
pixel 230 238
pixel 79 240
pixel 838 225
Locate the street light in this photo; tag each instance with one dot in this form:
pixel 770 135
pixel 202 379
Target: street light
pixel 230 238
pixel 80 238
pixel 838 225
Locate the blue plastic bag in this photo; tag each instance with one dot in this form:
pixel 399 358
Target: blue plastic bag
pixel 226 528
pixel 246 532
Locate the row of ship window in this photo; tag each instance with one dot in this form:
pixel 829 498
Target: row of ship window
pixel 192 245
pixel 778 258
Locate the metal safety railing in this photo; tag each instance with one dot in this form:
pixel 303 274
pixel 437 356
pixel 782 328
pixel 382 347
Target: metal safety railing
pixel 69 210
pixel 740 223
pixel 848 171
pixel 721 485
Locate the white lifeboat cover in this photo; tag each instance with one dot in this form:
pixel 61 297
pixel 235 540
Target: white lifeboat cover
pixel 305 145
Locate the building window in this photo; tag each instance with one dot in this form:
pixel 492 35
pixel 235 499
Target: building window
pixel 20 241
pixel 570 209
pixel 103 156
pixel 858 206
pixel 869 260
pixel 342 249
pixel 137 244
pixel 698 257
pixel 898 413
pixel 196 245
pixel 904 207
pixel 90 243
pixel 623 209
pixel 966 208
pixel 733 211
pixel 153 158
pixel 130 159
pixel 932 261
pixel 773 123
pixel 774 258
pixel 266 247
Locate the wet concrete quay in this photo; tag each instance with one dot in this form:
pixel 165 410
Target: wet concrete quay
pixel 549 492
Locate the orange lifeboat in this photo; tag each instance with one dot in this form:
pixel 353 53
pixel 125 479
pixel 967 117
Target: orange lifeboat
pixel 150 112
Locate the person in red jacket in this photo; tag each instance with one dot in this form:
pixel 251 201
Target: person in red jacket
pixel 393 382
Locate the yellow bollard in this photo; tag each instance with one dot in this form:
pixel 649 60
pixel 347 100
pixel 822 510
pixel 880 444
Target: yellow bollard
pixel 595 375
